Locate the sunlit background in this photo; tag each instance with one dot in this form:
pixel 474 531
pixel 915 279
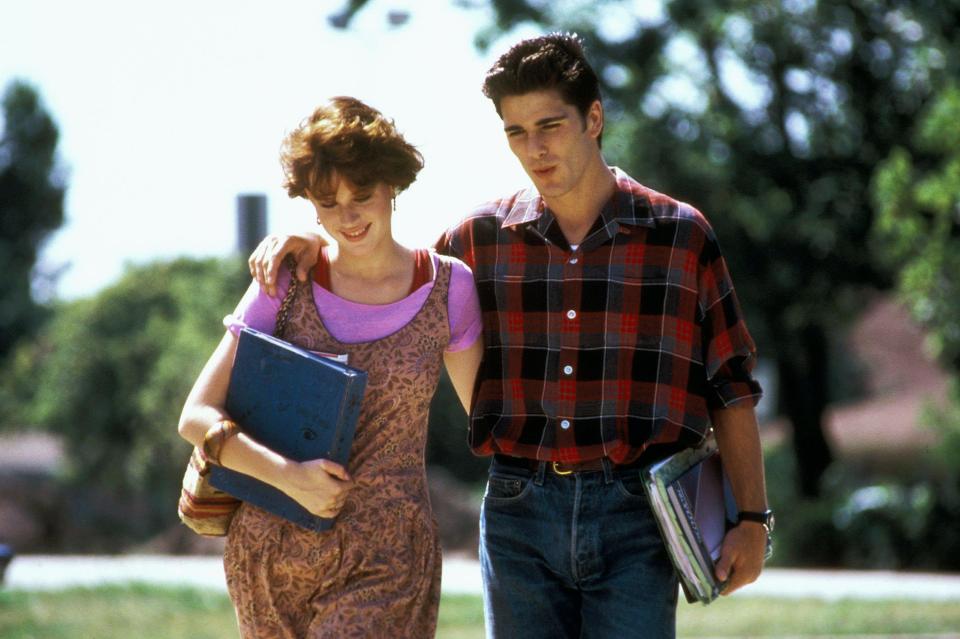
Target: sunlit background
pixel 169 110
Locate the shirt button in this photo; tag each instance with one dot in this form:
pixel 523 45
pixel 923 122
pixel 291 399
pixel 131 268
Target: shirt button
pixel 571 314
pixel 565 424
pixel 574 260
pixel 567 369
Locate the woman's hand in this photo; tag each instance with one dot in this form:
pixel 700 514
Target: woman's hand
pixel 265 260
pixel 320 486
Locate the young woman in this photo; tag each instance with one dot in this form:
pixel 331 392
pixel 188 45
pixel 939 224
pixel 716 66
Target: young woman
pixel 396 313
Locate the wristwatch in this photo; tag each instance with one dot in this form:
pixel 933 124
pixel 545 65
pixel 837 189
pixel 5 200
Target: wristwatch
pixel 766 518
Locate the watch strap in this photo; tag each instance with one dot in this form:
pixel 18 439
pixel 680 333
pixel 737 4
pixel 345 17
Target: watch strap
pixel 751 515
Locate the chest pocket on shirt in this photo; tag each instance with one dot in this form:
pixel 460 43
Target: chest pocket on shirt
pixel 661 312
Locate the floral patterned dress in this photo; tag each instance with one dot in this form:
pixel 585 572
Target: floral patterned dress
pixel 376 573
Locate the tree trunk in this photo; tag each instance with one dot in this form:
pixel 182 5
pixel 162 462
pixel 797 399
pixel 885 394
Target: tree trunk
pixel 802 366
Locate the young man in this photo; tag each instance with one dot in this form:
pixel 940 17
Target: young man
pixel 613 337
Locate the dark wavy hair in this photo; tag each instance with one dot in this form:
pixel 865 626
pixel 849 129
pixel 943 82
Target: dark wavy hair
pixel 554 61
pixel 352 140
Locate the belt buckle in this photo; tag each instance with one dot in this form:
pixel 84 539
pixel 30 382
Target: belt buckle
pixel 557 471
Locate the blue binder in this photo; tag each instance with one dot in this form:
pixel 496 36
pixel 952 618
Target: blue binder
pixel 296 403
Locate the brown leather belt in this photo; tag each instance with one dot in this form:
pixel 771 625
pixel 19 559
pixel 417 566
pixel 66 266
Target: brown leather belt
pixel 559 468
pixel 566 468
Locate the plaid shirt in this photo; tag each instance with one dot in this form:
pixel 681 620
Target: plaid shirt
pixel 618 347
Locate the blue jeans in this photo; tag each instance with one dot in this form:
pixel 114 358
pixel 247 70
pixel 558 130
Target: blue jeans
pixel 576 556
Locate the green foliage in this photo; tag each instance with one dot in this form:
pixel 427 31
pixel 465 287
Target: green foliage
pixel 31 206
pixel 918 227
pixel 917 196
pixel 888 519
pixel 110 374
pixel 945 422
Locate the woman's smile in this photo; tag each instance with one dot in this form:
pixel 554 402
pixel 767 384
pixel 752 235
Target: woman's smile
pixel 355 234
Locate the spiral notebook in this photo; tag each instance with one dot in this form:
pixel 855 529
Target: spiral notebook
pixel 296 402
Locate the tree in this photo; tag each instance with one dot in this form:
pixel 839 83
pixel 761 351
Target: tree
pixel 917 196
pixel 768 116
pixel 110 375
pixel 918 223
pixel 31 206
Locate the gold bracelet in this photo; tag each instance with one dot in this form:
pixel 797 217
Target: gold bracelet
pixel 216 437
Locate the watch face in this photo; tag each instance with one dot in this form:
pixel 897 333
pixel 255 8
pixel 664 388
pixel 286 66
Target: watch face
pixel 771 520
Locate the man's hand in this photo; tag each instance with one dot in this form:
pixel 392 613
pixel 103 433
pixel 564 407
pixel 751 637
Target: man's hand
pixel 741 556
pixel 265 260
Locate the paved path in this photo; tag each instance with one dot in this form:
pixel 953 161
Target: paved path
pixel 460 575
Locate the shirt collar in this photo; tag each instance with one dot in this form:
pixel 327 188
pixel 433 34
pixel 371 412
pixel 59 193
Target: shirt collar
pixel 628 207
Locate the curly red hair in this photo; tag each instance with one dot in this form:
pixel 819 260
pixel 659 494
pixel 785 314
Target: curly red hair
pixel 346 139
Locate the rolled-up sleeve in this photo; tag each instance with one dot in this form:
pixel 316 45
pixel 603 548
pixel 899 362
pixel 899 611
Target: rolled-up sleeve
pixel 729 353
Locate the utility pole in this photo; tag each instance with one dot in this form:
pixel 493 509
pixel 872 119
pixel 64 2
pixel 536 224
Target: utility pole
pixel 251 221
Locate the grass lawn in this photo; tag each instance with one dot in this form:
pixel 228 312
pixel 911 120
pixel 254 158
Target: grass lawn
pixel 150 612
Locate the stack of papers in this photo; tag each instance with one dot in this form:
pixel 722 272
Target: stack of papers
pixel 694 507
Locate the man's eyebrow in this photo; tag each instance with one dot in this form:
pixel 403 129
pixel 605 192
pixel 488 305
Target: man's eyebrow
pixel 541 122
pixel 551 119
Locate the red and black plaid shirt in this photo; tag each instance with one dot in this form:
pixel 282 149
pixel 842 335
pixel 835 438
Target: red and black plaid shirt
pixel 618 347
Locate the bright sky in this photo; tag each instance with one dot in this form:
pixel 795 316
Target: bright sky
pixel 168 110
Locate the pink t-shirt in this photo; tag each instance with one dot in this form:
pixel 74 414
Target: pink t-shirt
pixel 353 322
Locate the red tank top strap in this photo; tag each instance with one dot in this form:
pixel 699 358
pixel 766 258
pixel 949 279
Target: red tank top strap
pixel 422 269
pixel 321 270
